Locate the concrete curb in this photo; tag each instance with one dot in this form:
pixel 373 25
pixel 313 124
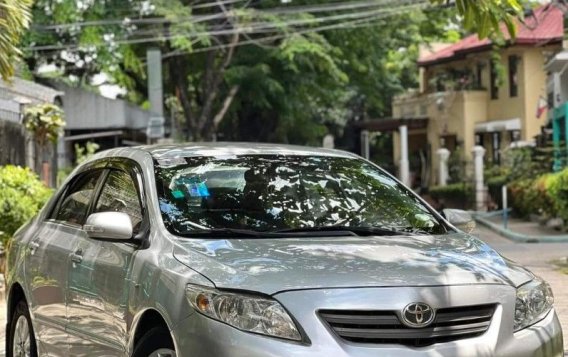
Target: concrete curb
pixel 519 237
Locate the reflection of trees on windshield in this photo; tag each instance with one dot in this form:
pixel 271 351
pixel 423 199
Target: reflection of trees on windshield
pixel 279 192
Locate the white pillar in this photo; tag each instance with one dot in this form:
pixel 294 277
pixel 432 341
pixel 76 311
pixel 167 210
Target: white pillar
pixel 444 155
pixel 365 144
pixel 478 153
pixel 328 141
pixel 404 165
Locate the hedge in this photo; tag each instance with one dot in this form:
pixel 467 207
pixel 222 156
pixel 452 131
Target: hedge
pixel 546 195
pixel 455 195
pixel 22 194
pixel 495 189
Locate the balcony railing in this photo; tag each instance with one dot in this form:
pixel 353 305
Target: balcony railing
pixel 419 105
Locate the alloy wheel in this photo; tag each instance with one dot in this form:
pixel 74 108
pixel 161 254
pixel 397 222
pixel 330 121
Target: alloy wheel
pixel 21 346
pixel 163 352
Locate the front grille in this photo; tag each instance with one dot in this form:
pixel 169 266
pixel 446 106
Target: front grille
pixel 385 327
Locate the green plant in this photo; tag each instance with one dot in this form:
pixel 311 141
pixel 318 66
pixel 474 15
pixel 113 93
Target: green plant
pixel 62 175
pixel 521 163
pixel 22 194
pixel 83 153
pixel 557 190
pixel 533 196
pixel 456 195
pixel 44 121
pixel 15 18
pixel 495 186
pixel 456 166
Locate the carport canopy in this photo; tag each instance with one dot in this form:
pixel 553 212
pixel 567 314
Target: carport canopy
pixel 393 124
pixel 498 125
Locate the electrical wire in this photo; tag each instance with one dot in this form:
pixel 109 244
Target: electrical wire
pixel 219 15
pixel 345 25
pixel 249 29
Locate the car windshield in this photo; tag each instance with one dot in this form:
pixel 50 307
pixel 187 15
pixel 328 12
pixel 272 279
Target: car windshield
pixel 278 193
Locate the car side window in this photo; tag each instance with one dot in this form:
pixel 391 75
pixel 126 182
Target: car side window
pixel 74 205
pixel 119 194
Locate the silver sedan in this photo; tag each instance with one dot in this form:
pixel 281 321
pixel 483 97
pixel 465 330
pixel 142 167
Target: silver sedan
pixel 254 250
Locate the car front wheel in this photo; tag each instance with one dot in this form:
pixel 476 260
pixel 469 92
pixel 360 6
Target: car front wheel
pixel 22 340
pixel 155 343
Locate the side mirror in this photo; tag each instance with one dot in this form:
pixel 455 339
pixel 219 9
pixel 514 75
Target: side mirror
pixel 460 219
pixel 109 225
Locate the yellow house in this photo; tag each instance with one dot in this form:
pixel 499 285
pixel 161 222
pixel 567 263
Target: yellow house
pixel 466 99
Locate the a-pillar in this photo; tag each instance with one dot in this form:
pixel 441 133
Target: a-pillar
pixel 404 165
pixel 478 153
pixel 444 155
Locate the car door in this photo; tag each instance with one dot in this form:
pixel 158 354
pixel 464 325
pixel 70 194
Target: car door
pixel 98 291
pixel 48 252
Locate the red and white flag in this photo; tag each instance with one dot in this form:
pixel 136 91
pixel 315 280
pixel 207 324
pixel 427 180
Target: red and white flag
pixel 542 107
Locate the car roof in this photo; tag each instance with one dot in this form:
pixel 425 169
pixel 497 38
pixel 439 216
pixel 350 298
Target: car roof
pixel 164 151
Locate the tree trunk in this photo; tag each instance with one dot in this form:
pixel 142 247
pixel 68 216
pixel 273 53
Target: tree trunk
pixel 181 85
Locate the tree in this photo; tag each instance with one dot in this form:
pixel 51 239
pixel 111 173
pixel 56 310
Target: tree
pixel 14 19
pixel 44 122
pixel 255 70
pixel 485 16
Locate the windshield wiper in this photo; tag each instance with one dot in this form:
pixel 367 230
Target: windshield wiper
pixel 227 233
pixel 360 231
pixel 249 233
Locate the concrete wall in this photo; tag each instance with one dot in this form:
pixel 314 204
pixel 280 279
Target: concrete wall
pixel 87 110
pixel 534 88
pixel 507 107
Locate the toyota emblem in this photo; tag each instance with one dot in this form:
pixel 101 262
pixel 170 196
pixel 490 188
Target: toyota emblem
pixel 418 315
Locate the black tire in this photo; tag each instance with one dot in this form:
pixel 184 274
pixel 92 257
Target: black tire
pixel 21 310
pixel 152 341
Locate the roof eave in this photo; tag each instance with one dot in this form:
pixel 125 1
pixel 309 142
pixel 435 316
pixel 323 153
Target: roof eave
pixel 460 54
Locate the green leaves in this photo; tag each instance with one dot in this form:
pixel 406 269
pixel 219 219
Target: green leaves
pixel 22 194
pixel 485 16
pixel 14 19
pixel 45 122
pixel 314 52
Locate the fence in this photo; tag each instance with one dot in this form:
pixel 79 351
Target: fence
pixel 12 134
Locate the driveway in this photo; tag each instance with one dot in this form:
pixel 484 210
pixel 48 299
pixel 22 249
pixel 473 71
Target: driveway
pixel 536 257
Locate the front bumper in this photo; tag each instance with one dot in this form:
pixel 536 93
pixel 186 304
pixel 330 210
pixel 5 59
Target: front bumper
pixel 199 336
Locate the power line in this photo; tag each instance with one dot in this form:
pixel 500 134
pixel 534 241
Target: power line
pixel 215 4
pixel 259 27
pixel 220 15
pixel 268 27
pixel 341 26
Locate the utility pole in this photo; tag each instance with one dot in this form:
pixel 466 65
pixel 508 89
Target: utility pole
pixel 155 128
pixel 155 86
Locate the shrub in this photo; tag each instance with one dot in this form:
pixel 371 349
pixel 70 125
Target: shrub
pixel 22 194
pixel 533 196
pixel 494 187
pixel 456 195
pixel 557 190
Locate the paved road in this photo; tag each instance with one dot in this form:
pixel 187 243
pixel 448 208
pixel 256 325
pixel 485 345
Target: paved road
pixel 536 257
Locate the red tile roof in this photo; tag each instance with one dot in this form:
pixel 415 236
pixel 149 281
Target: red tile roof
pixel 546 26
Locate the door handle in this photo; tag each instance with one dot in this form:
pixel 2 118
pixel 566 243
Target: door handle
pixel 77 257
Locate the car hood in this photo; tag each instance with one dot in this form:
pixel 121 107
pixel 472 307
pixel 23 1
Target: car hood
pixel 274 265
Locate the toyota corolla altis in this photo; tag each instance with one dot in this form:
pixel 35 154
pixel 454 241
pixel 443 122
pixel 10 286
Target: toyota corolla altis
pixel 254 250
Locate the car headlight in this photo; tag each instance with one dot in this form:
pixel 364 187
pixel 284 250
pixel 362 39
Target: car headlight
pixel 534 301
pixel 244 312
